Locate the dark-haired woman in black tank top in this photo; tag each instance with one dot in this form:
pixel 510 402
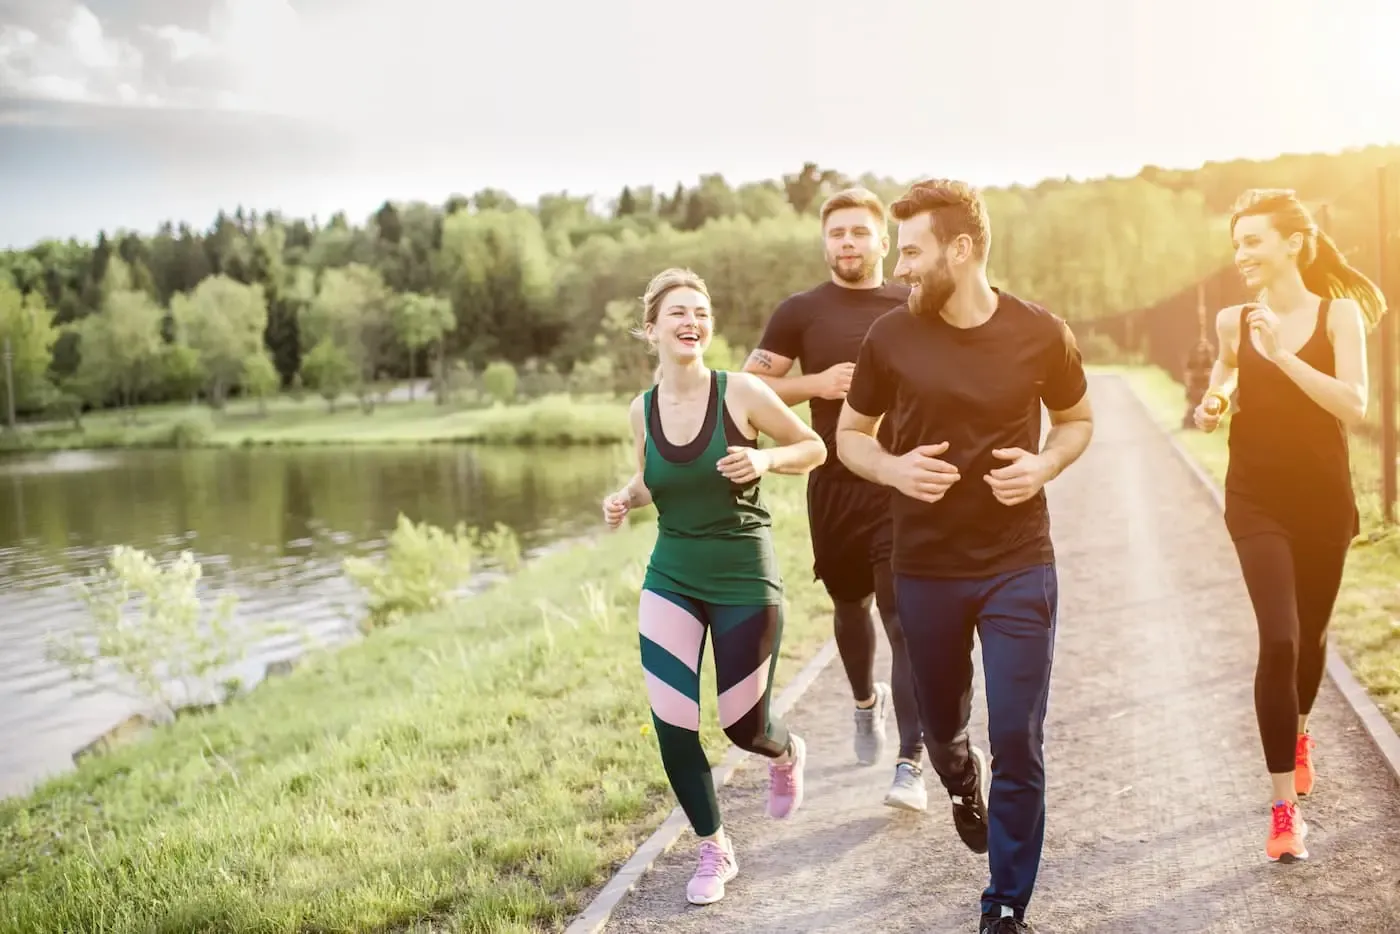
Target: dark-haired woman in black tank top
pixel 1298 357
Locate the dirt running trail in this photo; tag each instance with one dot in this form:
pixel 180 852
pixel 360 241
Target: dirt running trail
pixel 1158 796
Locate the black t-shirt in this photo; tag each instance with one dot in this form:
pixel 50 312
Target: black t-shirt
pixel 820 328
pixel 979 389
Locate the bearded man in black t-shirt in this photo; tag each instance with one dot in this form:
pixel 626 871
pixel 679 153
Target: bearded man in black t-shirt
pixel 822 329
pixel 962 373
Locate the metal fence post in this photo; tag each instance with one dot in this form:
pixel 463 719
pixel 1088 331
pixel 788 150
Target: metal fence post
pixel 1388 339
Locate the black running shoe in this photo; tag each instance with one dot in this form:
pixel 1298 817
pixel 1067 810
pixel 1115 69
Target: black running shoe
pixel 970 811
pixel 1003 924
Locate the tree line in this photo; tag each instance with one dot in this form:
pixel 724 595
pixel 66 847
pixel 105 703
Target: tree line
pixel 260 302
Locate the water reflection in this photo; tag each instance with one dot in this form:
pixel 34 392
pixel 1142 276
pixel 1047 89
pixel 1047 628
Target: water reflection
pixel 271 525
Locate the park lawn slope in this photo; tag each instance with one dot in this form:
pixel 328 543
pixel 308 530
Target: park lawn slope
pixel 1366 622
pixel 482 769
pixel 554 420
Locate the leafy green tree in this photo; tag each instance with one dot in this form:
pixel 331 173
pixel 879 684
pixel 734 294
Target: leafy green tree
pixel 353 311
pixel 28 333
pixel 260 379
pixel 328 370
pixel 535 281
pixel 223 321
pixel 120 348
pixel 420 320
pixel 182 371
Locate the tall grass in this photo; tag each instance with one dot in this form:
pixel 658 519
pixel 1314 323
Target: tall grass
pixel 482 767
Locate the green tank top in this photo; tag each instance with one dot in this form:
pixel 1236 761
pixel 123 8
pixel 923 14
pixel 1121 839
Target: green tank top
pixel 714 541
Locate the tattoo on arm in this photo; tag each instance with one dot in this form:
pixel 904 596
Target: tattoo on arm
pixel 762 359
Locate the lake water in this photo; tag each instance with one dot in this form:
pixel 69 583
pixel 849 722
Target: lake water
pixel 271 525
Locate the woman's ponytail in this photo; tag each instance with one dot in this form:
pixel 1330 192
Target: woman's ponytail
pixel 1329 274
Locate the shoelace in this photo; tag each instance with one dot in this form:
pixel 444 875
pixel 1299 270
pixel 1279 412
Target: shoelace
pixel 712 858
pixel 1283 819
pixel 1300 754
pixel 782 777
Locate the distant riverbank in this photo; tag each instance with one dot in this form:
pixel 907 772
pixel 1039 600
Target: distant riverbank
pixel 551 420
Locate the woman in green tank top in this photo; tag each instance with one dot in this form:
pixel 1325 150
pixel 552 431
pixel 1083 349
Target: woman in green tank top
pixel 712 570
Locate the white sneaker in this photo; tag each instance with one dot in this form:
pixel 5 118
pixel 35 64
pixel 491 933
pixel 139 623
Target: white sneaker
pixel 908 792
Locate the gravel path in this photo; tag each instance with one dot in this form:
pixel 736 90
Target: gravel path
pixel 1158 796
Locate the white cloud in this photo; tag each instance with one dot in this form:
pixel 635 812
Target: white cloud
pixel 79 63
pixel 92 49
pixel 56 87
pixel 252 55
pixel 183 44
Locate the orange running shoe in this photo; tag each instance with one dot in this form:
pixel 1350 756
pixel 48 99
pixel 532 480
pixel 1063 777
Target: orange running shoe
pixel 1287 833
pixel 1303 774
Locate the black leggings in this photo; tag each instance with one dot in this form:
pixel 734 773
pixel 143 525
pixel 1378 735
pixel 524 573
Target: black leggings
pixel 1293 584
pixel 855 640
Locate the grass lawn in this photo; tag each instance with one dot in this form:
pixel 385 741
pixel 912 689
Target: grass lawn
pixel 1366 622
pixel 553 420
pixel 483 769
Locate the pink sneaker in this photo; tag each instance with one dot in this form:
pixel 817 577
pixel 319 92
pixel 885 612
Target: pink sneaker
pixel 717 866
pixel 785 782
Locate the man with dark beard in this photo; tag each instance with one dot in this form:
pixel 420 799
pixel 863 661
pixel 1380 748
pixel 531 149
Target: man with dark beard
pixel 822 329
pixel 962 373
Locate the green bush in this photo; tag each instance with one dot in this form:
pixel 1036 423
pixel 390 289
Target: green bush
pixel 169 648
pixel 193 429
pixel 424 566
pixel 502 544
pixel 501 381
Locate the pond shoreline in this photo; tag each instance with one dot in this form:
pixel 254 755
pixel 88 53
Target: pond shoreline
pixel 561 421
pixel 138 725
pixel 272 526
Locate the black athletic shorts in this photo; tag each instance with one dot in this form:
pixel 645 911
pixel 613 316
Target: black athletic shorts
pixel 851 532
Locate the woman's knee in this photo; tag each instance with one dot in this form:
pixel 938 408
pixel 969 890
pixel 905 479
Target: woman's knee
pixel 1278 650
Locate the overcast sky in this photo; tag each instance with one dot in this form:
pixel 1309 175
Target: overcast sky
pixel 122 113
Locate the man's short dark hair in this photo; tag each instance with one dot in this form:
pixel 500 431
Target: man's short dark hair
pixel 954 208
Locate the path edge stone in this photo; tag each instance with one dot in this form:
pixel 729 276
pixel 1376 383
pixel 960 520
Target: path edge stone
pixel 593 918
pixel 1377 726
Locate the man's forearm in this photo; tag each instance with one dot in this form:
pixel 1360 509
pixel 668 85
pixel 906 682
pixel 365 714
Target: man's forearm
pixel 862 454
pixel 792 389
pixel 797 459
pixel 1066 442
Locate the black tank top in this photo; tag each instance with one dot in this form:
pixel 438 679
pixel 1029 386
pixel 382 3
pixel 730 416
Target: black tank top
pixel 1289 457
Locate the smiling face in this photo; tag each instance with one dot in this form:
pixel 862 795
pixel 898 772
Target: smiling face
pixel 944 238
pixel 924 266
pixel 683 325
pixel 1262 254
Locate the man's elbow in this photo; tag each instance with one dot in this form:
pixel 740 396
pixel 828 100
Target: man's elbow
pixel 848 448
pixel 1083 425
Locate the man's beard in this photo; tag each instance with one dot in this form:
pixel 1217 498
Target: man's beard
pixel 935 289
pixel 853 272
